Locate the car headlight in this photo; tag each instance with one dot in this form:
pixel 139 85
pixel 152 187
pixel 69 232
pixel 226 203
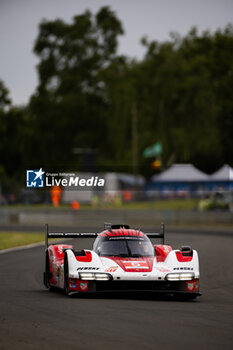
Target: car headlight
pixel 184 276
pixel 89 276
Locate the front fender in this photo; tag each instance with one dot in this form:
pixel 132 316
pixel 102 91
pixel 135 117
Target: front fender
pixel 95 264
pixel 175 265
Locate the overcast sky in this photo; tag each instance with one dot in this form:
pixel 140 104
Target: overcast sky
pixel 19 21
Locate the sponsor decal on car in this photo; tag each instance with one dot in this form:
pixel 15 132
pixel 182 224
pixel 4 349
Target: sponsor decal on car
pixel 111 269
pixel 166 249
pixel 87 268
pixel 135 264
pixel 192 286
pixel 160 269
pixel 60 249
pixel 134 238
pixel 84 286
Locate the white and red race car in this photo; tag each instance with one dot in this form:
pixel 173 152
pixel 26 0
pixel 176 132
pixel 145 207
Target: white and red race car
pixel 122 259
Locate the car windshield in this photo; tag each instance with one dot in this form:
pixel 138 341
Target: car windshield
pixel 126 248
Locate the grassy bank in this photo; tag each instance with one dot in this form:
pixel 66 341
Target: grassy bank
pixel 15 239
pixel 162 204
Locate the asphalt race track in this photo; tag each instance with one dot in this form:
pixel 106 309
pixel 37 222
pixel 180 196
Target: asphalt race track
pixel 31 317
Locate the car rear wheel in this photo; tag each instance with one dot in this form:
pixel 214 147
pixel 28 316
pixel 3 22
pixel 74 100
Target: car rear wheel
pixel 47 272
pixel 66 275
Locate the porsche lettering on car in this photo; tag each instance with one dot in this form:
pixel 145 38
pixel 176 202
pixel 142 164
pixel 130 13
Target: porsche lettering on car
pixel 122 259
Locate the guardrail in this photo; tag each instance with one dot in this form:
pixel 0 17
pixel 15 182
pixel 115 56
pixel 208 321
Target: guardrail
pixel 93 217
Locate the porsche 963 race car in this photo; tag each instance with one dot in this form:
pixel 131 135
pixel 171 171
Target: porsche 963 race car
pixel 122 259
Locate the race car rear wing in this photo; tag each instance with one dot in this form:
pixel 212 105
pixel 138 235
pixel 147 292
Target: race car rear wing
pixel 66 235
pixel 158 234
pixel 93 234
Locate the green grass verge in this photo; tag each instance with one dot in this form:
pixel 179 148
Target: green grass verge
pixel 15 239
pixel 166 204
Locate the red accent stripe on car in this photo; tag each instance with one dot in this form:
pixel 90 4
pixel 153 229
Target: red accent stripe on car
pixel 182 258
pixel 122 232
pixel 86 258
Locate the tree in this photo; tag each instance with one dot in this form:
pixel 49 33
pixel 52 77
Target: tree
pixel 184 84
pixel 4 96
pixel 16 131
pixel 4 104
pixel 88 96
pixel 70 100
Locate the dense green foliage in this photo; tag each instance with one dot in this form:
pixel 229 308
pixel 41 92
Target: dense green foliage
pixel 180 93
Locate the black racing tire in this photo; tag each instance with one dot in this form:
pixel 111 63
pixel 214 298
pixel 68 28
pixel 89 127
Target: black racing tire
pixel 185 297
pixel 47 272
pixel 191 297
pixel 66 275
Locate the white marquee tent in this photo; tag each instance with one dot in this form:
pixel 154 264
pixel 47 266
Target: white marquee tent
pixel 181 173
pixel 225 173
